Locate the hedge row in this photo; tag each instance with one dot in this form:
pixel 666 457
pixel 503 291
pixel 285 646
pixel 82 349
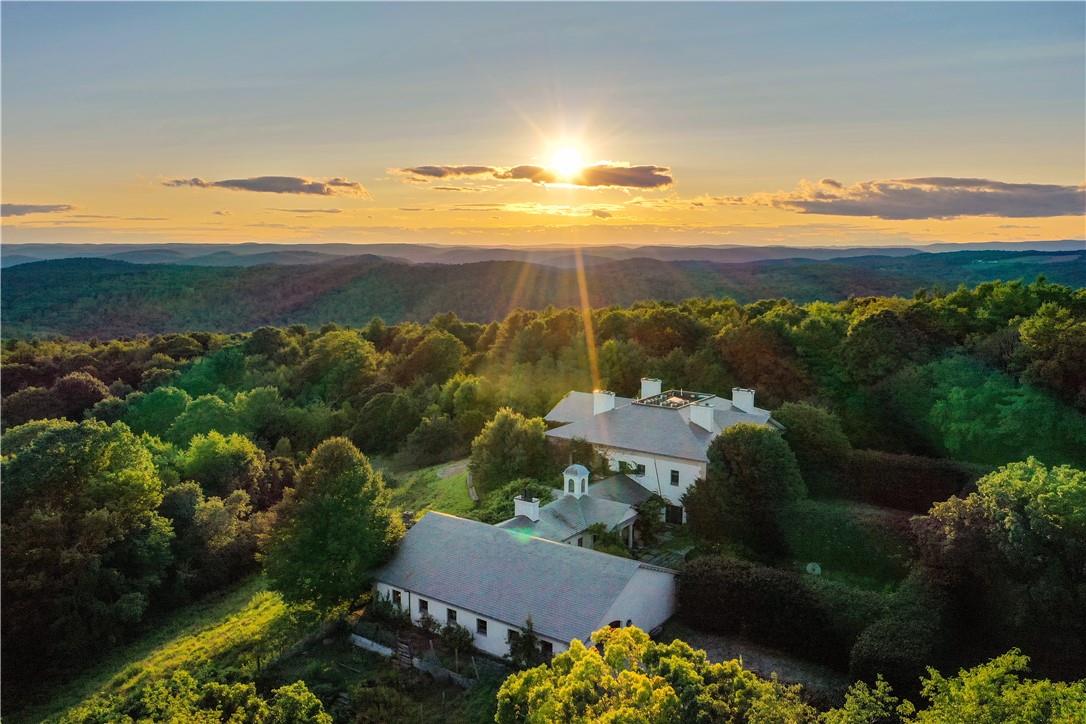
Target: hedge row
pixel 906 482
pixel 846 536
pixel 806 616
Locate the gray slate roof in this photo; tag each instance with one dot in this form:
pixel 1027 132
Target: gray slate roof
pixel 570 515
pixel 507 576
pixel 656 430
pixel 621 489
pixel 577 406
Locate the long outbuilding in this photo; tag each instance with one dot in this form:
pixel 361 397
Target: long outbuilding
pixel 492 580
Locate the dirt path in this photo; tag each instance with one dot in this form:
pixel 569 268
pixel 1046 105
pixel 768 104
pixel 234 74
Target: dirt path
pixel 454 468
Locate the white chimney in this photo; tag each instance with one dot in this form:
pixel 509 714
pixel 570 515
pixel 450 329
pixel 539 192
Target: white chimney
pixel 602 401
pixel 743 399
pixel 701 415
pixel 650 386
pixel 528 508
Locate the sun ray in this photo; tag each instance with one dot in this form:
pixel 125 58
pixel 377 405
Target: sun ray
pixel 586 319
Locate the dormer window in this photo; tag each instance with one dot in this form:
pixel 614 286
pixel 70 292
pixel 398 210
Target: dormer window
pixel 584 486
pixel 571 486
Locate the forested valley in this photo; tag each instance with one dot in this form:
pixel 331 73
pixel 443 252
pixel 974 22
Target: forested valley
pixel 933 461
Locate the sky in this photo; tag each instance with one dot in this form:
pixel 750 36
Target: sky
pixel 531 124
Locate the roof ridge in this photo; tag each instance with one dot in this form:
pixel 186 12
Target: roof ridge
pixel 513 533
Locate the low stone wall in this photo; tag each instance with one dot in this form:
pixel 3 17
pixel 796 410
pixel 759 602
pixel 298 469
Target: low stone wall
pixel 364 643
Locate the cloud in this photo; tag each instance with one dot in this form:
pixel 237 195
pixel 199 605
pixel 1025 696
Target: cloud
pixel 24 209
pixel 933 197
pixel 279 185
pixel 602 213
pixel 430 172
pixel 639 177
pixel 604 173
pixel 221 212
pixel 309 211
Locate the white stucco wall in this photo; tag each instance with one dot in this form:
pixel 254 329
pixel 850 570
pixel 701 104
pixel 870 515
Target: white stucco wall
pixel 657 477
pixel 647 601
pixel 495 643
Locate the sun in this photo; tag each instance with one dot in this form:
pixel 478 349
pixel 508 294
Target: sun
pixel 567 162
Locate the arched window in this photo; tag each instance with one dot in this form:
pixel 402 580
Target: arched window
pixel 571 488
pixel 583 484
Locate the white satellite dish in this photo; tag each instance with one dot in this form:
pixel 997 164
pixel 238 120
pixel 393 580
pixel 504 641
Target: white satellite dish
pixel 814 569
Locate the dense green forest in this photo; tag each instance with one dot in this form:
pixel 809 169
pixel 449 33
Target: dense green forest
pixel 103 298
pixel 933 460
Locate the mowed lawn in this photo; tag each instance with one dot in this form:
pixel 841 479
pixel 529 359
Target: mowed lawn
pixel 242 630
pixel 441 487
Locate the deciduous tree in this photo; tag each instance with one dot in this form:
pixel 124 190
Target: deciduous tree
pixel 334 529
pixel 510 446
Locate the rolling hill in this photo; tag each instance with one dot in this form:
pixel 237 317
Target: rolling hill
pixel 108 298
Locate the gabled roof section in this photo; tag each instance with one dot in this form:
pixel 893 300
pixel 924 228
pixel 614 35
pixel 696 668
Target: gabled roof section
pixel 659 430
pixel 621 489
pixel 569 515
pixel 508 576
pixel 577 406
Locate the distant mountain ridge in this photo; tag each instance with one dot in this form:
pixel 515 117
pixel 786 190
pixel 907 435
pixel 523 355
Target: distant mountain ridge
pixel 251 254
pixel 109 298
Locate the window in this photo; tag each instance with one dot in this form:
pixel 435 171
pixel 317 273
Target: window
pixel 639 469
pixel 424 605
pixel 480 627
pixel 512 636
pixel 583 484
pixel 580 542
pixel 450 615
pixel 674 514
pixel 396 599
pixel 674 477
pixel 571 485
pixel 547 648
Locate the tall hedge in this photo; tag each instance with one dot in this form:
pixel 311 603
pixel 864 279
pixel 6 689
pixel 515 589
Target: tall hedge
pixel 821 446
pixel 906 482
pixel 910 636
pixel 809 617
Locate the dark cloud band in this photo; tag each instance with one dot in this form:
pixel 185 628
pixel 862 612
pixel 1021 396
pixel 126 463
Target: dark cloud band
pixel 24 209
pixel 597 175
pixel 933 197
pixel 279 185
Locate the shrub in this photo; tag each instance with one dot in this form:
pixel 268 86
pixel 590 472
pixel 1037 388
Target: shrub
pixel 650 520
pixel 428 624
pixel 814 619
pixel 907 482
pixel 456 638
pixel 901 643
